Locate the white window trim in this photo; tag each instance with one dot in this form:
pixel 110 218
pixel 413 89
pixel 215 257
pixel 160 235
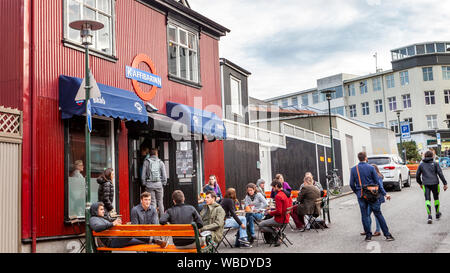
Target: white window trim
pixel 240 113
pixel 429 97
pixel 93 51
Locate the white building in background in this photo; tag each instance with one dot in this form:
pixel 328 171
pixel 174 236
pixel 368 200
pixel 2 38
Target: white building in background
pixel 418 84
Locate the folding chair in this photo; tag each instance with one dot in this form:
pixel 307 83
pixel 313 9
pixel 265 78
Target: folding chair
pixel 280 230
pixel 313 217
pixel 224 239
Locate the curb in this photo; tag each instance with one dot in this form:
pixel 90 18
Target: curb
pixel 340 195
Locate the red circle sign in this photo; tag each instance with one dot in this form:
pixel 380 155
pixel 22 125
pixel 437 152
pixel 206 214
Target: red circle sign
pixel 145 96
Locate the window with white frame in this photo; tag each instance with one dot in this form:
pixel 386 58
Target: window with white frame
pixel 392 103
pixel 429 98
pixel 427 73
pixel 365 108
pixel 285 102
pixel 390 82
pixel 447 96
pixel 315 97
pixel 406 101
pixel 404 78
pixel 363 87
pixel 183 53
pixel 351 90
pixel 410 121
pixel 295 101
pixel 378 106
pixel 376 84
pixel 352 110
pixel 236 96
pixel 432 121
pixel 305 99
pixel 446 72
pixel 393 124
pixel 98 10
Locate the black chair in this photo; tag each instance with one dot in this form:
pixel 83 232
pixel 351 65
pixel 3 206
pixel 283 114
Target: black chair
pixel 312 218
pixel 224 239
pixel 280 229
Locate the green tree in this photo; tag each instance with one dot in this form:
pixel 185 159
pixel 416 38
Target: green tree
pixel 412 153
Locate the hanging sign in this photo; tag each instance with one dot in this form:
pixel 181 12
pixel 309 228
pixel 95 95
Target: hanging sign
pixel 140 76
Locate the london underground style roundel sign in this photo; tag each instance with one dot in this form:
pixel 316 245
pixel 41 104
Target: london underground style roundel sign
pixel 140 76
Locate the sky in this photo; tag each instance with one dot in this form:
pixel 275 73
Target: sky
pixel 288 44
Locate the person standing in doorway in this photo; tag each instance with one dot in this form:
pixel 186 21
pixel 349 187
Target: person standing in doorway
pixel 428 174
pixel 154 179
pixel 363 175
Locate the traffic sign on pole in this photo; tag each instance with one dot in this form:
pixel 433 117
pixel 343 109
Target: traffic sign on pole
pixel 405 130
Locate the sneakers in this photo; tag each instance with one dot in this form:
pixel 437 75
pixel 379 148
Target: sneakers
pixel 389 238
pixel 438 215
pixel 430 219
pixel 377 233
pixel 368 238
pixel 243 245
pixel 161 243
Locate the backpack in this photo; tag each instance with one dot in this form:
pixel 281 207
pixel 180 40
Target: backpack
pixel 270 237
pixel 154 173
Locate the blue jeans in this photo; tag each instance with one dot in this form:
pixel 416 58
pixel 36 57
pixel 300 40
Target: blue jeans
pixel 365 217
pixel 231 223
pixel 251 217
pixel 377 227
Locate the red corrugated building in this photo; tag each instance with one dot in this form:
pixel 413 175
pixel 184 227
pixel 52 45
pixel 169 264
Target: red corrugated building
pixel 40 50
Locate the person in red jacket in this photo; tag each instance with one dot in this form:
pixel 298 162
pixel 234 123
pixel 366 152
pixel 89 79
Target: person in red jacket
pixel 282 202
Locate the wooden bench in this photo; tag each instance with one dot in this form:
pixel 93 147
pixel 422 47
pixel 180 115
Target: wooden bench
pixel 146 231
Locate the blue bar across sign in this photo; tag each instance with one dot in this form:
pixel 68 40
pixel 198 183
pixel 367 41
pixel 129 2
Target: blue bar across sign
pixel 142 76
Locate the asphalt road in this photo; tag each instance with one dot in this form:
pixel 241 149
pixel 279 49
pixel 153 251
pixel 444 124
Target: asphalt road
pixel 406 217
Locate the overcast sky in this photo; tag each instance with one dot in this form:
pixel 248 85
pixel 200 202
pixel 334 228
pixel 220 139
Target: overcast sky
pixel 288 44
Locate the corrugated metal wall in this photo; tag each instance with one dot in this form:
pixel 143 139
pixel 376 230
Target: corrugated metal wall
pixel 10 179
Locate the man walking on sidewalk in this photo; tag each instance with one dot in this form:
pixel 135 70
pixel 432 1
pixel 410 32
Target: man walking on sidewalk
pixel 363 175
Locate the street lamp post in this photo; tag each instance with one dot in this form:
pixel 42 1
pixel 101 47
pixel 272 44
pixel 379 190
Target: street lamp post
pixel 86 27
pixel 328 94
pixel 400 131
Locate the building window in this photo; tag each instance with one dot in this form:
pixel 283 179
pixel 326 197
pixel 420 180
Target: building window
pixel 337 110
pixel 404 78
pixel 392 103
pixel 427 73
pixel 98 10
pixel 376 84
pixel 363 87
pixel 285 102
pixel 295 101
pixel 393 124
pixel 410 121
pixel 378 106
pixel 183 53
pixel 429 98
pixel 102 157
pixel 236 96
pixel 365 108
pixel 446 72
pixel 406 101
pixel 352 110
pixel 390 82
pixel 315 96
pixel 305 100
pixel 351 90
pixel 339 93
pixel 432 121
pixel 447 96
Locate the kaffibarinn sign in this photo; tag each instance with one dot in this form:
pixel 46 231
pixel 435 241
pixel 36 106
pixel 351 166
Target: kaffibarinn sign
pixel 143 76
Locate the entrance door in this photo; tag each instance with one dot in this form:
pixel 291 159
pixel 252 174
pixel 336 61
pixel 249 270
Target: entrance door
pixel 265 165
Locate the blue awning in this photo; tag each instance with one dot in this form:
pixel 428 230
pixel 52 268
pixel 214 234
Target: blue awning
pixel 199 121
pixel 114 102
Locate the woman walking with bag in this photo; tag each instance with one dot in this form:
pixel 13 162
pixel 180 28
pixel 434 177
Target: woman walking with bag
pixel 427 177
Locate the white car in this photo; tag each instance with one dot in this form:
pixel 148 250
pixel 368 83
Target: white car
pixel 395 172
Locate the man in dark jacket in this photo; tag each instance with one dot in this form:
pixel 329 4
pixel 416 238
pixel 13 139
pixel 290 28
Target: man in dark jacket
pixel 362 175
pixel 154 179
pixel 99 223
pixel 427 177
pixel 182 214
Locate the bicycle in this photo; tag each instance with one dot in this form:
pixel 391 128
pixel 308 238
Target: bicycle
pixel 334 183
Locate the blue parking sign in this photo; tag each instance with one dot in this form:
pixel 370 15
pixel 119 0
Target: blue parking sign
pixel 405 130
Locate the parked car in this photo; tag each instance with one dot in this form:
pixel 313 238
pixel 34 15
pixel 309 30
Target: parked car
pixel 394 170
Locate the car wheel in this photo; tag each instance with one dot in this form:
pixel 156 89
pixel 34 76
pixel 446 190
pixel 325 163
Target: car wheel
pixel 399 184
pixel 408 182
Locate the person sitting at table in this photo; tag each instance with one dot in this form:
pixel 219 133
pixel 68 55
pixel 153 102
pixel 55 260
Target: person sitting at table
pixel 307 200
pixel 213 217
pixel 213 186
pixel 260 187
pixel 145 214
pixel 258 202
pixel 182 214
pixel 98 222
pixel 282 203
pixel 286 188
pixel 229 204
pixel 315 183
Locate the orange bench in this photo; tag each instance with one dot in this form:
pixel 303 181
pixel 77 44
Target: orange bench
pixel 412 169
pixel 146 231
